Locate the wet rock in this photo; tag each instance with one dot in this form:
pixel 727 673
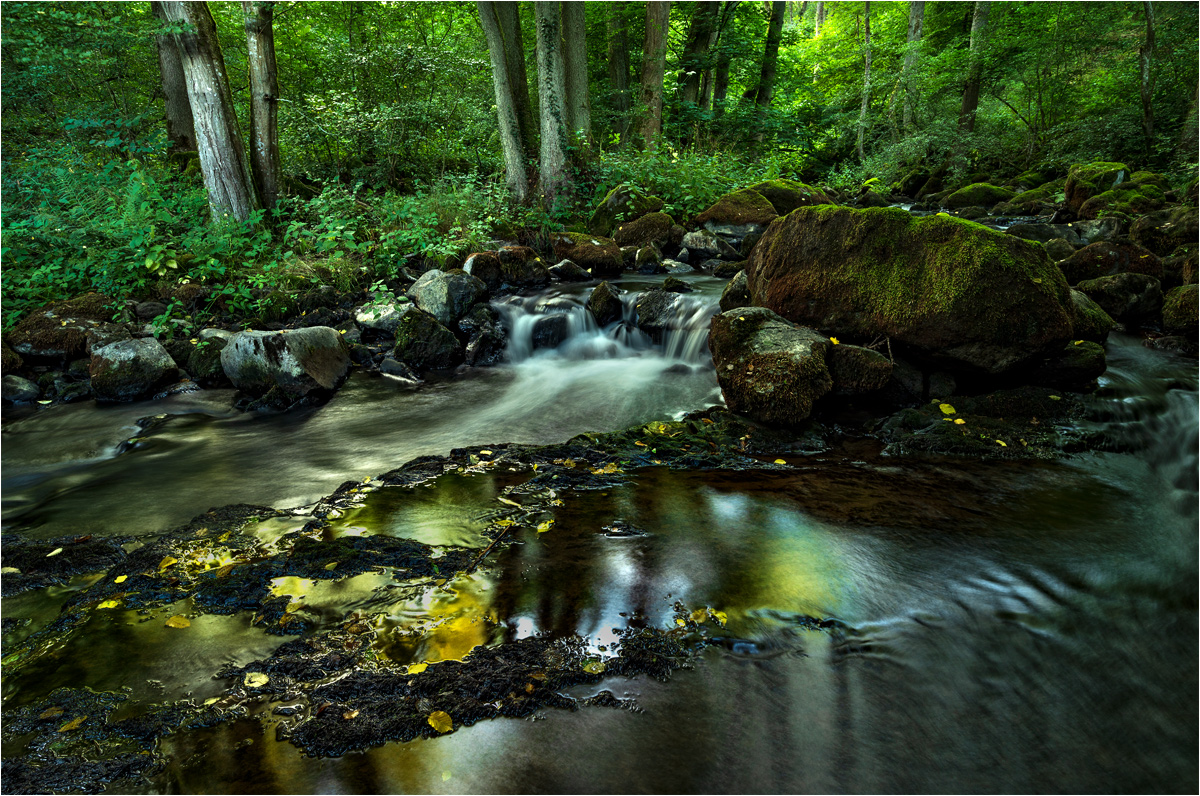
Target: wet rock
pixel 567 271
pixel 786 195
pixel 203 362
pixel 1078 365
pixel 392 367
pixel 676 268
pixel 131 369
pixel 704 245
pixel 623 203
pixel 727 270
pixel 972 213
pixel 1162 232
pixel 295 364
pixel 383 317
pixel 962 295
pixel 683 256
pixel 1105 258
pixel 1180 267
pixel 736 293
pixel 10 361
pixel 870 198
pixel 1044 233
pixel 149 310
pixel 486 267
pixel 1099 229
pixel 652 229
pixel 60 330
pixel 1141 192
pixel 550 331
pixel 770 370
pixel 656 311
pixel 604 305
pixel 737 214
pixel 1180 311
pixel 649 261
pixel 980 194
pixel 17 390
pixel 1129 298
pixel 1088 320
pixel 673 285
pixel 748 244
pixel 424 344
pixel 525 274
pixel 1058 249
pixel 856 370
pixel 446 295
pixel 485 348
pixel 1085 180
pixel 599 256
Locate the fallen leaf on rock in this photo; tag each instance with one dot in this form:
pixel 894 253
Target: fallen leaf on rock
pixel 349 714
pixel 73 724
pixel 50 713
pixel 780 461
pixel 332 565
pixel 178 622
pixel 545 526
pixel 440 720
pixel 120 578
pixel 958 421
pixel 166 562
pixel 594 667
pixel 109 604
pixel 947 409
pixel 256 679
pixel 417 668
pixel 54 552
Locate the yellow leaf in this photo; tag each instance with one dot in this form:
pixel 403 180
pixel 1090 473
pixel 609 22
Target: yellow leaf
pixel 958 421
pixel 417 668
pixel 211 701
pixel 640 444
pixel 120 578
pixel 349 714
pixel 166 562
pixel 50 713
pixel 1002 443
pixel 700 615
pixel 332 565
pixel 1055 397
pixel 780 461
pixel 508 502
pixel 440 720
pixel 256 679
pixel 947 409
pixel 679 622
pixel 594 667
pixel 834 340
pixel 485 453
pixel 54 552
pixel 720 616
pixel 545 526
pixel 506 523
pixel 73 724
pixel 178 622
pixel 607 469
pixel 1078 342
pixel 445 776
pixel 109 604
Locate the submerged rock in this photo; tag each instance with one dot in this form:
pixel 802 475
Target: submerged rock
pixel 131 369
pixel 307 361
pixel 656 311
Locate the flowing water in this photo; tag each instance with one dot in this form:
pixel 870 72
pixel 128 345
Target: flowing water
pixel 998 627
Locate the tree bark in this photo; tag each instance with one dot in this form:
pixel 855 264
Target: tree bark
pixel 507 112
pixel 700 38
pixel 916 20
pixel 264 99
pixel 766 77
pixel 509 19
pixel 618 68
pixel 820 19
pixel 720 72
pixel 654 66
pixel 222 157
pixel 1146 54
pixel 555 182
pixel 866 92
pixel 970 103
pixel 181 129
pixel 578 106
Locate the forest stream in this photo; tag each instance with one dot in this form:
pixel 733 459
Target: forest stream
pixel 854 622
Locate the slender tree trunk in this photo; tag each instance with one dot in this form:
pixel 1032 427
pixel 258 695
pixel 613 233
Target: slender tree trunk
pixel 654 66
pixel 555 182
pixel 970 103
pixel 866 92
pixel 721 82
pixel 509 19
pixel 181 130
pixel 579 109
pixel 508 116
pixel 820 19
pixel 264 99
pixel 618 68
pixel 916 20
pixel 1146 54
pixel 700 38
pixel 222 157
pixel 766 77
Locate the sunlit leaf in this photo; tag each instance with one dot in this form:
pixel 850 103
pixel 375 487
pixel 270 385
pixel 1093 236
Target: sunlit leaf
pixel 780 461
pixel 54 552
pixel 720 616
pixel 332 565
pixel 109 604
pixel 834 340
pixel 594 667
pixel 699 615
pixel 256 679
pixel 958 421
pixel 446 776
pixel 211 701
pixel 73 724
pixel 178 622
pixel 417 668
pixel 508 502
pixel 1002 443
pixel 545 526
pixel 947 409
pixel 120 578
pixel 640 444
pixel 166 562
pixel 440 720
pixel 50 713
pixel 485 453
pixel 607 469
pixel 349 714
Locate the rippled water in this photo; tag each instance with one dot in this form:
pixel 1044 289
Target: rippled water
pixel 997 627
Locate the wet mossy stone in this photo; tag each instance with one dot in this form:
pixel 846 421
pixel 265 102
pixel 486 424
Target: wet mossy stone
pixel 521 267
pixel 786 195
pixel 131 369
pixel 1032 178
pixel 657 312
pixel 736 294
pixel 1043 233
pixel 673 285
pixel 622 204
pixel 1129 298
pixel 485 266
pixel 424 344
pixel 10 361
pixel 1180 267
pixel 1163 231
pixel 1059 249
pixel 1077 366
pixel 770 370
pixel 567 271
pixel 652 229
pixel 447 295
pixel 604 305
pixel 1131 197
pixel 1089 321
pixel 297 362
pixel 979 194
pixel 18 390
pixel 599 256
pixel 60 330
pixel 1179 310
pixel 856 370
pixel 727 270
pixel 740 212
pixel 953 291
pixel 1030 202
pixel 1085 180
pixel 870 198
pixel 1105 258
pixel 203 362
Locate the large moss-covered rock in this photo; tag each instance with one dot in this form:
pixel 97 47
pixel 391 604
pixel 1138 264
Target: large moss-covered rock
pixel 769 369
pixel 652 229
pixel 1164 231
pixel 623 203
pixel 1141 193
pixel 736 293
pixel 599 256
pixel 1089 321
pixel 786 195
pixel 738 214
pixel 1044 233
pixel 1104 258
pixel 979 194
pixel 947 289
pixel 131 369
pixel 1130 298
pixel 604 304
pixel 60 330
pixel 521 267
pixel 856 370
pixel 485 266
pixel 1180 310
pixel 423 344
pixel 1031 202
pixel 1085 180
pixel 295 363
pixel 447 295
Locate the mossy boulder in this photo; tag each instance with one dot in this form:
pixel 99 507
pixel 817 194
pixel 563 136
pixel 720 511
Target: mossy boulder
pixel 1129 298
pixel 1031 179
pixel 870 198
pixel 1180 267
pixel 736 293
pixel 203 362
pixel 485 266
pixel 447 295
pixel 1163 231
pixel 1031 202
pixel 131 369
pixel 314 360
pixel 1180 310
pixel 1085 180
pixel 1089 321
pixel 10 361
pixel 652 229
pixel 770 370
pixel 423 344
pixel 599 256
pixel 856 370
pixel 1141 193
pixel 623 203
pixel 1105 258
pixel 737 214
pixel 946 289
pixel 1075 367
pixel 1059 249
pixel 786 195
pixel 567 271
pixel 60 330
pixel 979 194
pixel 604 304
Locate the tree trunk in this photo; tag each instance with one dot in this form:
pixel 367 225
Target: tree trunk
pixel 222 157
pixel 264 99
pixel 654 65
pixel 555 183
pixel 820 19
pixel 579 109
pixel 916 20
pixel 618 68
pixel 970 103
pixel 181 130
pixel 508 116
pixel 866 92
pixel 509 19
pixel 700 38
pixel 1146 53
pixel 766 77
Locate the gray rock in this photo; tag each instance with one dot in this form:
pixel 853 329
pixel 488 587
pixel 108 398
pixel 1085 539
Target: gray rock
pixel 216 334
pixel 657 311
pixel 149 310
pixel 486 267
pixel 131 369
pixel 549 331
pixel 676 268
pixel 103 334
pixel 649 260
pixel 447 295
pixel 604 305
pixel 856 370
pixel 1059 249
pixel 1129 298
pixel 737 293
pixel 391 367
pixel 297 362
pixel 567 271
pixel 673 285
pixel 738 231
pixel 704 245
pixel 683 256
pixel 16 390
pixel 424 344
pixel 383 318
pixel 1043 233
pixel 1098 229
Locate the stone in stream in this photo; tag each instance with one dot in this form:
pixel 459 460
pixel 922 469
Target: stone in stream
pixel 61 330
pixel 446 295
pixel 567 271
pixel 652 229
pixel 623 203
pixel 704 245
pixel 550 330
pixel 1088 320
pixel 17 390
pixel 737 215
pixel 1129 298
pixel 980 194
pixel 963 296
pixel 382 317
pixel 604 305
pixel 599 256
pixel 486 267
pixel 770 370
pixel 1180 311
pixel 786 195
pixel 203 363
pixel 1075 367
pixel 1044 233
pixel 522 268
pixel 736 293
pixel 295 364
pixel 656 312
pixel 424 344
pixel 1105 258
pixel 129 370
pixel 649 260
pixel 1163 231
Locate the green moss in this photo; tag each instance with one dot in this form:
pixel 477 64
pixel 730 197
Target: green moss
pixel 594 253
pixel 10 361
pixel 746 206
pixel 1180 310
pixel 622 203
pixel 652 228
pixel 787 195
pixel 979 194
pixel 1128 198
pixel 1085 180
